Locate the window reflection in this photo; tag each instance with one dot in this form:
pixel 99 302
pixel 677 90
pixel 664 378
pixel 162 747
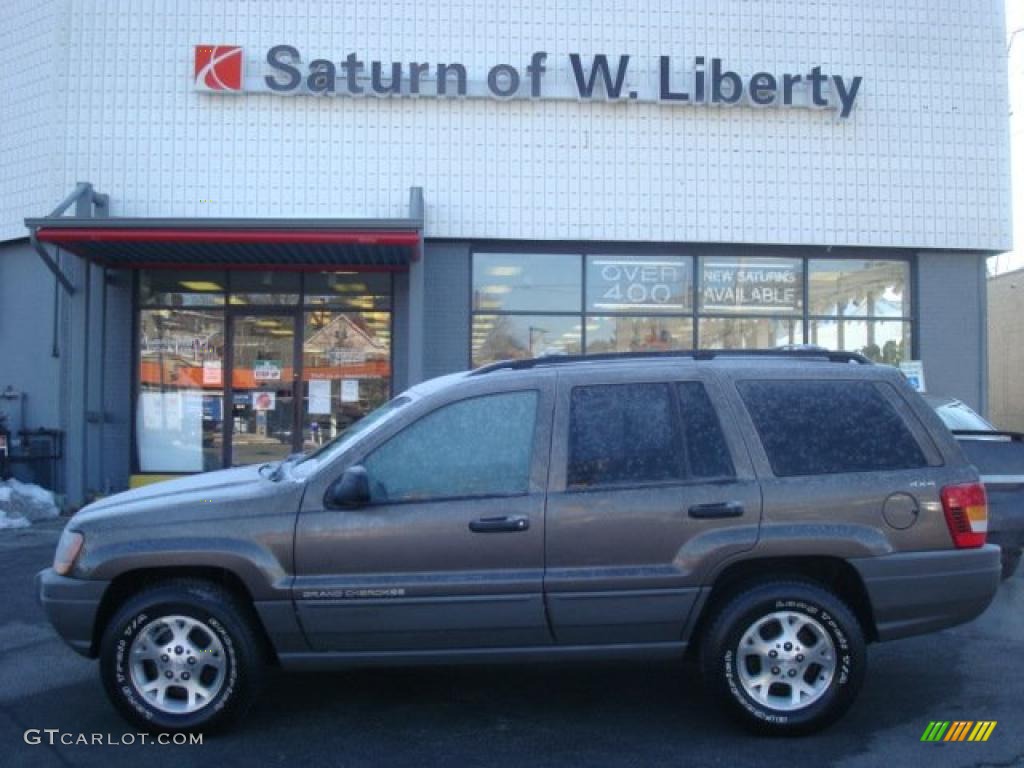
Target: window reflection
pixel 638 334
pixel 182 288
pixel 859 288
pixel 507 337
pixel 884 341
pixel 365 291
pixel 346 359
pixel 264 287
pixel 749 332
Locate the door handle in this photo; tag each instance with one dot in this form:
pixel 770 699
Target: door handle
pixel 504 523
pixel 721 509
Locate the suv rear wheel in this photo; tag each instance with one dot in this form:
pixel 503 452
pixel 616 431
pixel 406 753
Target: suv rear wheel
pixel 181 656
pixel 786 657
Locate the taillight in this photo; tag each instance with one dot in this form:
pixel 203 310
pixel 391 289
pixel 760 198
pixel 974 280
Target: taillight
pixel 966 508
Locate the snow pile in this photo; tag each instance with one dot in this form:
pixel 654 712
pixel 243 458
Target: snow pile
pixel 22 504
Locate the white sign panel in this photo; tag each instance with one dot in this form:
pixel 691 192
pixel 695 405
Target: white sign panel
pixel 320 396
pixel 212 375
pixel 350 390
pixel 914 371
pixel 267 370
pixel 264 401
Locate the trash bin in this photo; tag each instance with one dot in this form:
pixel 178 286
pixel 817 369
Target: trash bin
pixel 39 453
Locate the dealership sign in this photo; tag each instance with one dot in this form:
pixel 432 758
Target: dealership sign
pixel 701 80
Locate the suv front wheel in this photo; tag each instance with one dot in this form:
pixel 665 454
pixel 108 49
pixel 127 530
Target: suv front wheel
pixel 786 657
pixel 181 656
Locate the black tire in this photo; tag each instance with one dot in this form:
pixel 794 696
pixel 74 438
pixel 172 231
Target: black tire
pixel 720 657
pixel 1010 560
pixel 225 618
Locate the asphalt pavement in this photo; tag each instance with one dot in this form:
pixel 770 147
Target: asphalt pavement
pixel 584 714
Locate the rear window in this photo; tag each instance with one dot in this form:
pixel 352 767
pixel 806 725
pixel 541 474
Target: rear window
pixel 826 427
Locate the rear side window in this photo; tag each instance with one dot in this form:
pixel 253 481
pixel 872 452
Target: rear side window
pixel 623 434
pixel 705 444
pixel 825 427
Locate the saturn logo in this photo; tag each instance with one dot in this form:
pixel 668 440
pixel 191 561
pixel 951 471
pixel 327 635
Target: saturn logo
pixel 218 67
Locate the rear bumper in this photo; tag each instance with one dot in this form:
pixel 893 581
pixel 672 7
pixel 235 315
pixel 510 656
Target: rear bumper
pixel 71 606
pixel 916 592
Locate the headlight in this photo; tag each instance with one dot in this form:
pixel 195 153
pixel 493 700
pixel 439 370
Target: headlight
pixel 68 548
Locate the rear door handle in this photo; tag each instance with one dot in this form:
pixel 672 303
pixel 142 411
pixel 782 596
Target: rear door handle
pixel 722 509
pixel 502 524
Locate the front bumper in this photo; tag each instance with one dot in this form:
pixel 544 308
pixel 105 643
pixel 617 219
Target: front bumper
pixel 71 605
pixel 916 592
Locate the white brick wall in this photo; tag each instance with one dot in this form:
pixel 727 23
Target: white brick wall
pixel 922 162
pixel 31 165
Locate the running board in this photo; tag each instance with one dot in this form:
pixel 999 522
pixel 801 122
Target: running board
pixel 345 659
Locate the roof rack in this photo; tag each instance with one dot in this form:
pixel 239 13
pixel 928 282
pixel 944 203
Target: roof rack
pixel 822 355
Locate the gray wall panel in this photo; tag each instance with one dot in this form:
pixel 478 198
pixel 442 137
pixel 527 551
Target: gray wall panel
pixel 446 337
pixel 951 331
pixel 26 336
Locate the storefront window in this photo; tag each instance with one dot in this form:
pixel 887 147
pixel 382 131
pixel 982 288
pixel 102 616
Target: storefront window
pixel 216 347
pixel 179 412
pixel 528 305
pixel 542 304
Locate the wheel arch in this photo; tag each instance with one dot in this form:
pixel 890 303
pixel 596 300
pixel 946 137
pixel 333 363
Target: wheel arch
pixel 129 583
pixel 832 573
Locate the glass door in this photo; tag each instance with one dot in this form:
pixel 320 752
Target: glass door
pixel 262 417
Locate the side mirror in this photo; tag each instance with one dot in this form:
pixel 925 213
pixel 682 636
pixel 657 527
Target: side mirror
pixel 349 491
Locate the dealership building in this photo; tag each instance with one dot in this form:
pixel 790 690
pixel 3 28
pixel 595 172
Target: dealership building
pixel 228 230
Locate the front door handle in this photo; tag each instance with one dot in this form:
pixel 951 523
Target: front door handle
pixel 721 509
pixel 504 523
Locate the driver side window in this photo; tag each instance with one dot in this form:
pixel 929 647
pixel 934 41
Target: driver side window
pixel 481 446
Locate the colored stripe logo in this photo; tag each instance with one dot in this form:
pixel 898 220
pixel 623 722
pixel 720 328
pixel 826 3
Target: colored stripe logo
pixel 958 730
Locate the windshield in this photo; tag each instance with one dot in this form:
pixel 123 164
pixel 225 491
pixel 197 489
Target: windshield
pixel 345 437
pixel 956 415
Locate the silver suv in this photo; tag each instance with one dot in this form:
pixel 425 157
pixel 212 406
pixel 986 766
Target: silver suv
pixel 769 513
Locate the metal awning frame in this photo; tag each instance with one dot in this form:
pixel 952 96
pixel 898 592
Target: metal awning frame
pixel 89 205
pixel 92 213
